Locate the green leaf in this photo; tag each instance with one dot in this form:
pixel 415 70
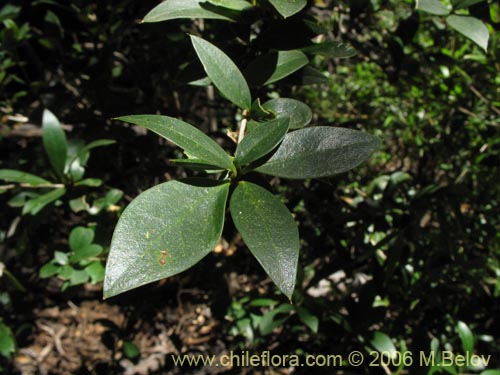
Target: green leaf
pixel 20 199
pixel 383 344
pixel 238 5
pixel 54 142
pixel 95 144
pixel 7 341
pixel 35 205
pixel 268 322
pixel 195 164
pixel 312 76
pixel 184 135
pixel 164 231
pixel 472 28
pixel 12 175
pixel 460 4
pixel 92 182
pixel 89 251
pixel 49 269
pixel 223 72
pixel 288 8
pixel 259 113
pixel 130 349
pixel 173 9
pixel 299 113
pixel 269 231
pixel 274 66
pixel 95 270
pixel 331 49
pixel 320 152
pixel 490 372
pixel 80 237
pixel 61 258
pixel 78 277
pixel 466 337
pixel 432 7
pixel 308 319
pixel 261 141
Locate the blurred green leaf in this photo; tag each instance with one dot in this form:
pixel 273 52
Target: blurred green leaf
pixel 269 231
pixel 92 182
pixel 49 269
pixel 319 152
pixel 96 272
pixel 223 72
pixel 7 341
pixel 269 322
pixel 54 141
pixel 130 350
pixel 34 206
pixel 432 7
pixel 466 337
pixel 383 343
pixel 83 253
pixel 80 237
pixel 460 4
pixel 308 319
pixel 172 9
pixel 472 28
pixel 11 175
pixel 331 49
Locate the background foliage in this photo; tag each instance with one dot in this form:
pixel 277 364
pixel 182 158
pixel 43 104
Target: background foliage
pixel 402 251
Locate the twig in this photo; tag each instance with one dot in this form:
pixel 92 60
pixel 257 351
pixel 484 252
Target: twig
pixel 30 186
pixel 243 126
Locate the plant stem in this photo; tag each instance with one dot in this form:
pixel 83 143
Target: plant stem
pixel 25 185
pixel 243 126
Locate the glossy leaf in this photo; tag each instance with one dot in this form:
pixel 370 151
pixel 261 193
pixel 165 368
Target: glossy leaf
pixel 433 7
pixel 261 141
pixel 54 142
pixel 274 66
pixel 184 135
pixel 320 152
pixel 269 231
pixel 173 9
pixel 164 231
pixel 466 337
pixel 288 8
pixel 223 72
pixel 12 175
pixel 80 237
pixel 331 49
pixel 472 28
pixel 35 205
pixel 299 113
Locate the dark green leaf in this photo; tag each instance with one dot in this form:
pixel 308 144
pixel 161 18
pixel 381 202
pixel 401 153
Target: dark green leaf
pixel 432 7
pixel 308 319
pixel 20 199
pixel 11 175
pixel 331 49
pixel 164 231
pixel 288 8
pixel 259 113
pixel 320 152
pixel 54 142
pixel 261 141
pixel 238 5
pixel 195 164
pixel 35 205
pixel 460 4
pixel 312 76
pixel 269 322
pixel 184 135
pixel 466 337
pixel 269 231
pixel 299 113
pixel 172 9
pixel 223 72
pixel 274 66
pixel 472 28
pixel 80 237
pixel 7 341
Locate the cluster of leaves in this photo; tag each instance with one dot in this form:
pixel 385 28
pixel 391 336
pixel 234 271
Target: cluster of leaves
pixel 82 264
pixel 159 235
